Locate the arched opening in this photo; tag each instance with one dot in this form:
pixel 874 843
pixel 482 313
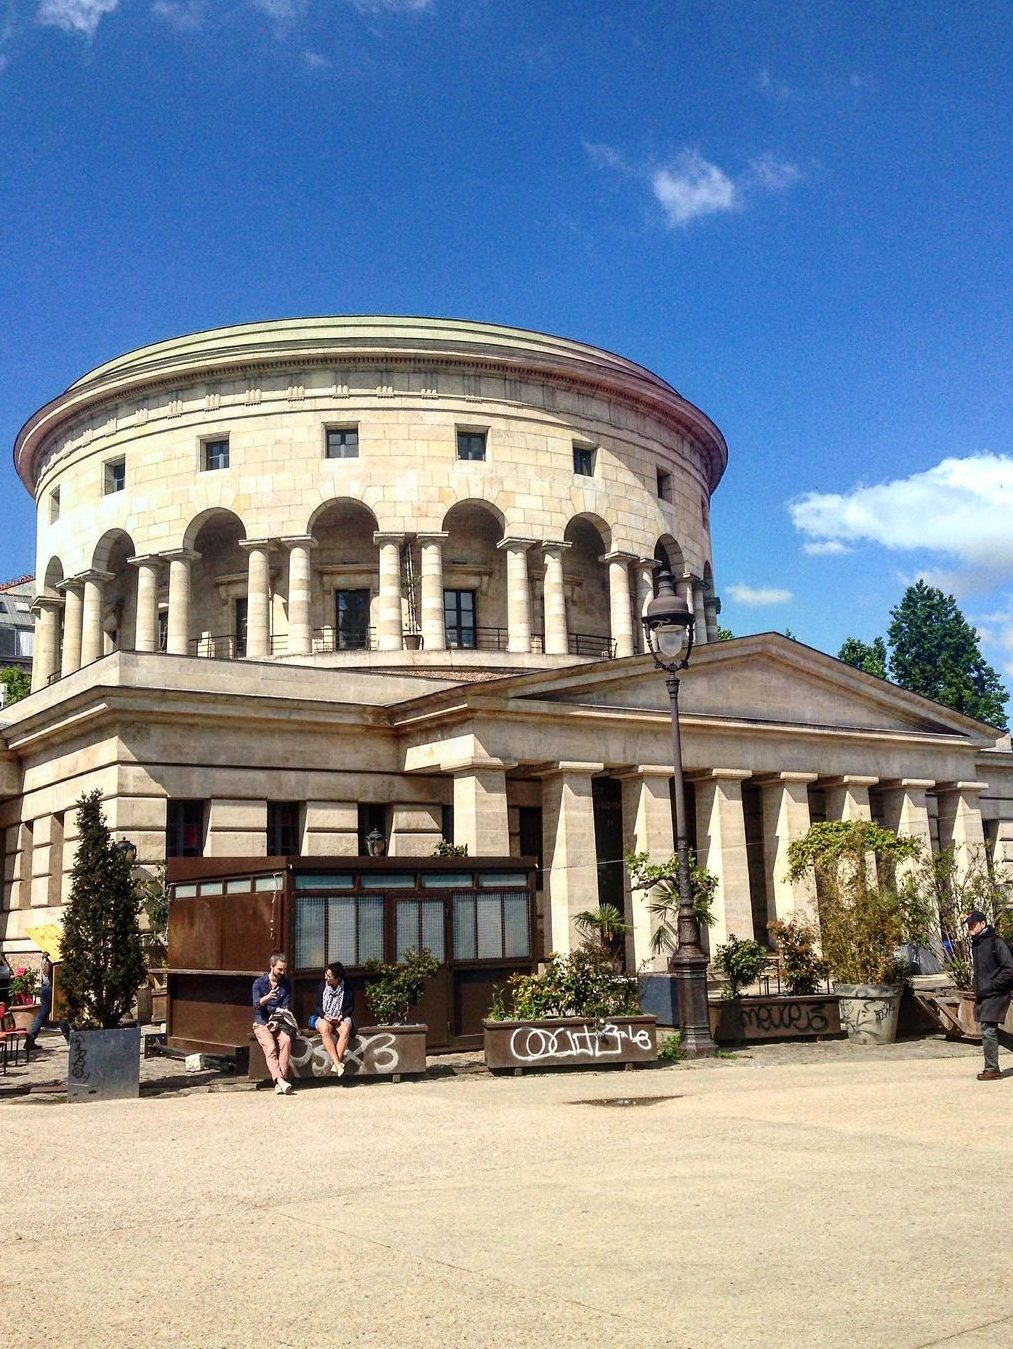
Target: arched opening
pixel 669 554
pixel 119 591
pixel 345 576
pixel 218 582
pixel 52 577
pixel 586 580
pixel 474 577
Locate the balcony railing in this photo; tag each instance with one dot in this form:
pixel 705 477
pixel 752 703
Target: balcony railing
pixel 330 639
pixel 227 646
pixel 595 644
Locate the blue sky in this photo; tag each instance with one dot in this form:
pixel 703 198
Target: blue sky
pixel 798 214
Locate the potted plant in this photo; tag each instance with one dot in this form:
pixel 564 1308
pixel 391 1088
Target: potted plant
pixel 606 926
pixel 576 1010
pixel 658 989
pixel 393 991
pixel 24 1004
pixel 864 917
pixel 102 962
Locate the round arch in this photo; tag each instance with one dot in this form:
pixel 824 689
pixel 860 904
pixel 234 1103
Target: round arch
pixel 52 576
pixel 668 552
pixel 586 579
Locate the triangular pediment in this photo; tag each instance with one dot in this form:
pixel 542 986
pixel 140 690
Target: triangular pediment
pixel 764 678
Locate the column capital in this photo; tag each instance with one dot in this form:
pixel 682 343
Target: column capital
pixel 181 555
pixel 298 541
pixel 477 763
pixel 72 583
pixel 516 541
pixel 571 768
pixel 720 775
pixel 146 560
pixel 778 779
pixel 851 780
pixel 383 536
pixel 649 562
pixel 549 545
pixel 907 784
pixel 428 536
pixel 618 556
pixel 644 770
pixel 52 603
pixel 967 788
pixel 94 575
pixel 258 545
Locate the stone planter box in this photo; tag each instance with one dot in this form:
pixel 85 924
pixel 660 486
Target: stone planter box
pixel 774 1017
pixel 567 1042
pixel 24 1014
pixel 104 1065
pixel 658 996
pixel 377 1051
pixel 869 1012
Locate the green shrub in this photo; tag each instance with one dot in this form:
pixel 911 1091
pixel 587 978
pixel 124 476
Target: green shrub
pixel 804 969
pixel 670 1050
pixel 583 983
pixel 393 990
pixel 742 962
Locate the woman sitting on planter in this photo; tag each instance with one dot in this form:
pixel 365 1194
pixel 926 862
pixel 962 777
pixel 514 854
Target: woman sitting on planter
pixel 333 1015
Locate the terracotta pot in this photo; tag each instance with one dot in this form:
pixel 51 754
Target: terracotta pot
pixel 24 1014
pixel 869 1012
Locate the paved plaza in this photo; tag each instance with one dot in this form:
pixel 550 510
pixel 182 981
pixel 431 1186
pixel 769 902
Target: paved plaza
pixel 820 1197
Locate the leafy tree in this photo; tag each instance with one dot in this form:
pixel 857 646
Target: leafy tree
pixel 18 684
pixel 103 960
pixel 725 634
pixel 934 652
pixel 870 657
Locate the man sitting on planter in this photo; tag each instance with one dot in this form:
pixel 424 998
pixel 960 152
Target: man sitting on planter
pixel 333 1015
pixel 272 994
pixel 993 980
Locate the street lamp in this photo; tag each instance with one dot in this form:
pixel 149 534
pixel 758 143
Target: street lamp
pixel 376 844
pixel 127 850
pixel 668 625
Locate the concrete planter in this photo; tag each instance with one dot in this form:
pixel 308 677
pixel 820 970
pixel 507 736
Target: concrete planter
pixel 658 996
pixel 104 1065
pixel 24 1014
pixel 774 1017
pixel 566 1042
pixel 869 1012
pixel 377 1051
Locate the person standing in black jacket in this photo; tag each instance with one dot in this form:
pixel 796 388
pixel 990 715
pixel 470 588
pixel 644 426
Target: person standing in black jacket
pixel 993 981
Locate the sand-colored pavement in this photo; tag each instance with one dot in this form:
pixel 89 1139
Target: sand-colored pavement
pixel 826 1203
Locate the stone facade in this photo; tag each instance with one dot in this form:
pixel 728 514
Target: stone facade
pixel 237 633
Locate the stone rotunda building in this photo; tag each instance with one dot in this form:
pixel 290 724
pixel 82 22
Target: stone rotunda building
pixel 305 579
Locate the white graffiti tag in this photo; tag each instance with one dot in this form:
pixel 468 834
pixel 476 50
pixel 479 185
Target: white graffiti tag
pixel 365 1054
pixel 533 1044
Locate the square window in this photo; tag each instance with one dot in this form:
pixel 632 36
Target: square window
pixel 283 828
pixel 664 485
pixel 115 475
pixel 215 454
pixel 583 461
pixel 54 505
pixel 342 442
pixel 459 619
pixel 471 445
pixel 184 828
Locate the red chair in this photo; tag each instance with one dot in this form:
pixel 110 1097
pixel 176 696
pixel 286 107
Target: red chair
pixel 12 1040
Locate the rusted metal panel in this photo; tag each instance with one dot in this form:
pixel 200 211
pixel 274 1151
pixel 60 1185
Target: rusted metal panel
pixel 377 1051
pixel 570 1041
pixel 779 1017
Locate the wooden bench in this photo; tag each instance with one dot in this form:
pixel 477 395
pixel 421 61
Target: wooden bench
pixel 377 1051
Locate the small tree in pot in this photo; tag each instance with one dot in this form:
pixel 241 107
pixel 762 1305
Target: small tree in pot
pixel 741 961
pixel 804 969
pixel 393 990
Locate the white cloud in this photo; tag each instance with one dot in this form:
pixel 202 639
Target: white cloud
pixel 605 157
pixel 391 6
pixel 284 11
pixel 691 187
pixel 758 595
pixel 315 61
pixel 184 15
pixel 961 508
pixel 766 84
pixel 828 548
pixel 75 16
pixel 774 174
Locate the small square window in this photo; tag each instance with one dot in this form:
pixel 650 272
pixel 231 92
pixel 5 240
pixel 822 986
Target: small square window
pixel 342 442
pixel 664 485
pixel 115 475
pixel 471 445
pixel 215 454
pixel 54 505
pixel 583 461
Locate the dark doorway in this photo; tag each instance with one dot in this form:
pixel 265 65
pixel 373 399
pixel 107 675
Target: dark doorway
pixel 607 800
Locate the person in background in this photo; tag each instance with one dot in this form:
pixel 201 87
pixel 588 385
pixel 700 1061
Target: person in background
pixel 333 1015
pixel 45 1001
pixel 272 993
pixel 993 980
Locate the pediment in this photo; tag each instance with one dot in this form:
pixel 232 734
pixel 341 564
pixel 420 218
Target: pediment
pixel 764 678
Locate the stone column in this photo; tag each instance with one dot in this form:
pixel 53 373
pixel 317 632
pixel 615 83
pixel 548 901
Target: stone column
pixel 92 635
pixel 258 596
pixel 700 637
pixel 46 658
pixel 331 829
pixel 646 567
pixel 570 860
pixel 299 589
pixel 73 613
pixel 620 611
pixel 415 830
pixel 518 594
pixel 721 848
pixel 711 609
pixel 1002 846
pixel 906 811
pixel 480 806
pixel 960 822
pixel 236 828
pixel 390 633
pixel 178 635
pixel 146 609
pixel 647 827
pixel 785 804
pixel 847 797
pixel 434 625
pixel 554 599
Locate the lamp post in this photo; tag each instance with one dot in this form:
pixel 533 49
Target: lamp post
pixel 127 850
pixel 668 625
pixel 376 844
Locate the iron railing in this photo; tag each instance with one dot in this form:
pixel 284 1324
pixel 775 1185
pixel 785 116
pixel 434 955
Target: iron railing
pixel 228 646
pixel 329 639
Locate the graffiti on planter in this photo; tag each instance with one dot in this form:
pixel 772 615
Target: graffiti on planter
pixel 773 1018
pixel 311 1058
pixel 79 1059
pixel 534 1044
